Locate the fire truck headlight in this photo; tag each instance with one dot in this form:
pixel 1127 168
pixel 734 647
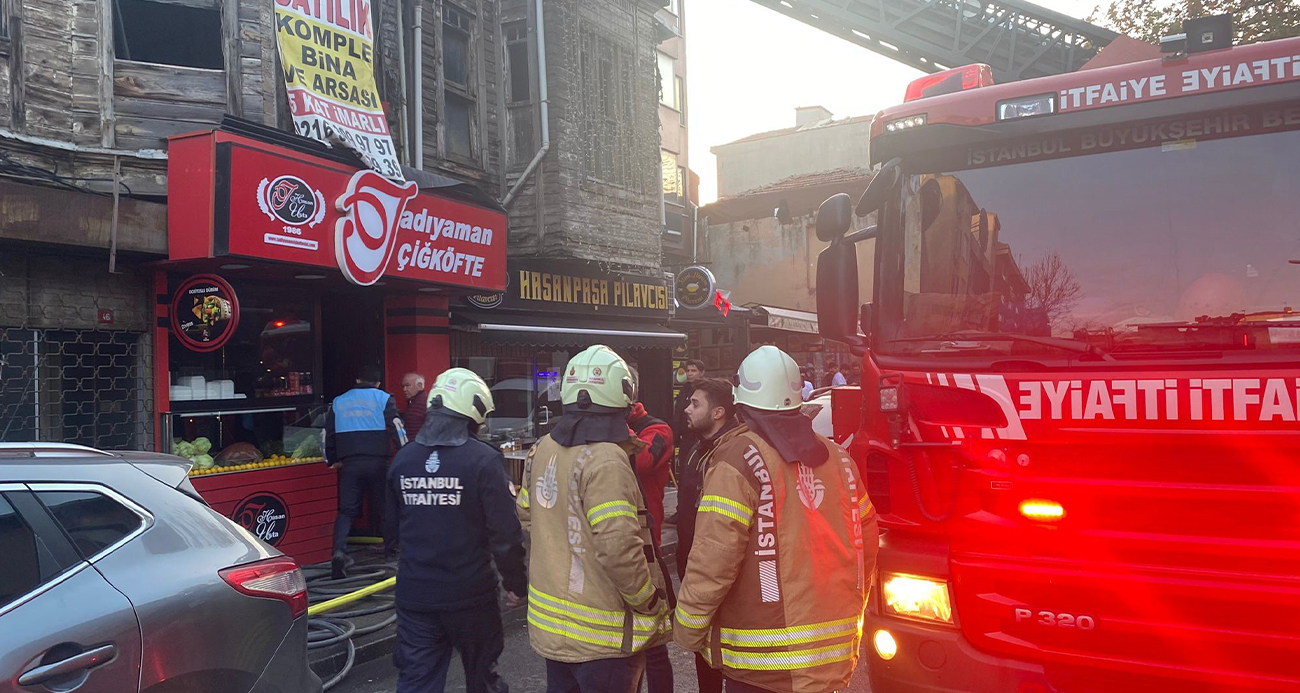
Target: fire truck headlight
pixel 916 597
pixel 888 399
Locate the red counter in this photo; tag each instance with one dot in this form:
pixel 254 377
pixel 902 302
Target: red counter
pixel 290 507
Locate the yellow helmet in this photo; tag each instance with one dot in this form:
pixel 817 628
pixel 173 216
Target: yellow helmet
pixel 462 391
pixel 603 375
pixel 769 379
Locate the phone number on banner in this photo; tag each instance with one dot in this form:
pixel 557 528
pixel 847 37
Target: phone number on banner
pixel 375 149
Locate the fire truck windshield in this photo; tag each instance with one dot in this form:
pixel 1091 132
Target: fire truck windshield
pixel 1189 245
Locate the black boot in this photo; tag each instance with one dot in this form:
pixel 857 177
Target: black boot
pixel 339 565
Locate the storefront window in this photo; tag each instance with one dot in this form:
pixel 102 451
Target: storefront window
pixel 271 355
pixel 525 386
pixel 235 441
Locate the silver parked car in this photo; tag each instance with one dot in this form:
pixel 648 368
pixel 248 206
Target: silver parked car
pixel 115 577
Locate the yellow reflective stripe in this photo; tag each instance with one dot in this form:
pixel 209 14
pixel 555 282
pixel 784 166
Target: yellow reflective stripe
pixel 588 613
pixel 793 635
pixel 584 634
pixel 523 497
pixel 723 500
pixel 864 503
pixel 792 659
pixel 572 630
pixel 605 511
pixel 691 620
pixel 642 595
pixel 610 514
pixel 726 512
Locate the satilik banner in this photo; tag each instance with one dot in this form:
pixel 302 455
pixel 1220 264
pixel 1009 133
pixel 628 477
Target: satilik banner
pixel 327 50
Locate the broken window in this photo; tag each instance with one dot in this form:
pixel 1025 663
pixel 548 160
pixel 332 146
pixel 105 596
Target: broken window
pixel 519 85
pixel 458 81
pixel 168 33
pixel 667 94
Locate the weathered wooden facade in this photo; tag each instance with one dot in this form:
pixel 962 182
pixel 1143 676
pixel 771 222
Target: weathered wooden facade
pixel 90 90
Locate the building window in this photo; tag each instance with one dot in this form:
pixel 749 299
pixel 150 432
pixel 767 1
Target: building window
pixel 519 94
pixel 459 100
pixel 4 19
pixel 608 124
pixel 168 33
pixel 675 6
pixel 679 89
pixel 667 91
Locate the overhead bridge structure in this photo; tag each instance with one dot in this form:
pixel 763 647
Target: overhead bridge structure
pixel 1019 40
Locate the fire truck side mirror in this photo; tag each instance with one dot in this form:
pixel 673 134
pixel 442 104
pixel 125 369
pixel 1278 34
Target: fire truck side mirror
pixel 880 187
pixel 837 294
pixel 834 217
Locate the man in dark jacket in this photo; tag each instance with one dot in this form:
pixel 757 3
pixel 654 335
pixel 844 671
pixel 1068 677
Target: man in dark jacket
pixel 694 369
pixel 711 414
pixel 453 513
pixel 417 403
pixel 359 431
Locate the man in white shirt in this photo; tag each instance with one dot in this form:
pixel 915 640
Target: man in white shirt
pixel 837 378
pixel 807 383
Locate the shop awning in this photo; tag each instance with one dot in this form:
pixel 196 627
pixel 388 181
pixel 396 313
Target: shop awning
pixel 788 319
pixel 568 331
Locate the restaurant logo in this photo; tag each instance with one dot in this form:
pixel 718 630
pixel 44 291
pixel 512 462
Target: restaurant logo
pixel 489 301
pixel 366 234
pixel 291 200
pixel 695 287
pixel 264 514
pixel 205 312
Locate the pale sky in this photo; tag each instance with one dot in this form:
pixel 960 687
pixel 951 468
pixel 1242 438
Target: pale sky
pixel 749 67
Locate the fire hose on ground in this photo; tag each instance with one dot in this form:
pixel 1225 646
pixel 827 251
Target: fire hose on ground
pixel 365 581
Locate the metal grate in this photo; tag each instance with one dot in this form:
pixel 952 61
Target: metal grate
pixel 76 386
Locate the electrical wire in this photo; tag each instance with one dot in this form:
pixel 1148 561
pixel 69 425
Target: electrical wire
pixel 338 627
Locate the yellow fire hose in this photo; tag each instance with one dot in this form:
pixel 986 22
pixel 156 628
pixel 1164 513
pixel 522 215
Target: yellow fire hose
pixel 332 604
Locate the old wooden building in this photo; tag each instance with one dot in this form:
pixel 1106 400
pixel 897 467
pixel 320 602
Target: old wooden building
pixel 557 124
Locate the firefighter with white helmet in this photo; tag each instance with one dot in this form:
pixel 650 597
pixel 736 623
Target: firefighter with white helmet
pixel 785 545
pixel 596 597
pixel 451 504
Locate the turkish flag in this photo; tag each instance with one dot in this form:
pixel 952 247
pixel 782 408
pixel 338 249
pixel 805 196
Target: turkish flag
pixel 721 303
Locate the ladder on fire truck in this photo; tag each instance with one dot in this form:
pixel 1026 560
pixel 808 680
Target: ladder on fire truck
pixel 1020 40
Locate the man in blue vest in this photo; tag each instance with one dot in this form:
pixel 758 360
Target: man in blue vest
pixel 359 431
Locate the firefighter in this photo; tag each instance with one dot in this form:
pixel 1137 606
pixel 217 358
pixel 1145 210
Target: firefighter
pixel 785 544
pixel 596 597
pixel 450 506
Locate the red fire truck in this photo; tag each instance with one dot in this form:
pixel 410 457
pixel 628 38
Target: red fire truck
pixel 1081 374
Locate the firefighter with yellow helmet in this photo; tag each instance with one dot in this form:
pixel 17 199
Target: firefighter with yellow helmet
pixel 785 545
pixel 596 597
pixel 450 502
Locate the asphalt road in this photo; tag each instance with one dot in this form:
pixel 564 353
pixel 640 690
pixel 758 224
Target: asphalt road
pixel 523 670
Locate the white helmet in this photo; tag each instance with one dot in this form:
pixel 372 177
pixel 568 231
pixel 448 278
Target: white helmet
pixel 603 375
pixel 462 391
pixel 769 379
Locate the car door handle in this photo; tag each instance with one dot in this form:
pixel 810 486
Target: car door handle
pixel 86 660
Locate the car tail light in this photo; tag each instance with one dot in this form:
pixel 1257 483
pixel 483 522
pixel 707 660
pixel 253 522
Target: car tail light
pixel 275 578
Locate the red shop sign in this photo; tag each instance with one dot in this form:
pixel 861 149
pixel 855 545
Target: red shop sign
pixel 272 203
pixel 205 312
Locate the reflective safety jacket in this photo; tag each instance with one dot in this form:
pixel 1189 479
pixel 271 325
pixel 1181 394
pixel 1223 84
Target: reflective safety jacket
pixel 596 590
pixel 777 579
